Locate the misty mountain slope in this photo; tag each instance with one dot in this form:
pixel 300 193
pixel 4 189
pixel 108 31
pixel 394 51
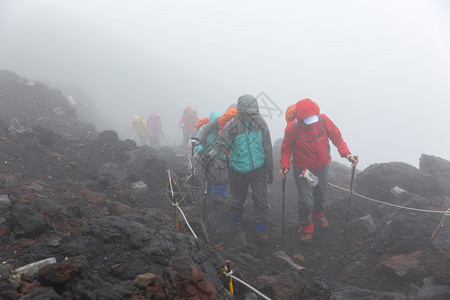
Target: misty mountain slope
pixel 102 207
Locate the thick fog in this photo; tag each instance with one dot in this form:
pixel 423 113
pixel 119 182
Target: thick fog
pixel 379 69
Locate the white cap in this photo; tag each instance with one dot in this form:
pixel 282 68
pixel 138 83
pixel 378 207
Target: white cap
pixel 310 120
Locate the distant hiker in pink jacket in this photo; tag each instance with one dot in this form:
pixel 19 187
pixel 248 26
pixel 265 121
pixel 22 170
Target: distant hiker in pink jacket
pixel 155 132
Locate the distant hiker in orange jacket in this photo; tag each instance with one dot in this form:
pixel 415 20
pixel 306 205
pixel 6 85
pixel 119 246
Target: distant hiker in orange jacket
pixel 306 140
pixel 188 122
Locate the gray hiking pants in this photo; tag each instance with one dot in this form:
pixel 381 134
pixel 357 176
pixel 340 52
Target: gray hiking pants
pixel 239 183
pixel 311 198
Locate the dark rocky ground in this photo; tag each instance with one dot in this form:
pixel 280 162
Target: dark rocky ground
pixel 102 208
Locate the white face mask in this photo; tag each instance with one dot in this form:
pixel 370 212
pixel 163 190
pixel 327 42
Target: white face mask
pixel 310 120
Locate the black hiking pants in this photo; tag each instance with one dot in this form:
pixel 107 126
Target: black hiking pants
pixel 239 183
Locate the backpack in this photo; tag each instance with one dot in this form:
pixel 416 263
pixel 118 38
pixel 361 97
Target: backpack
pixel 291 112
pixel 227 116
pixel 200 123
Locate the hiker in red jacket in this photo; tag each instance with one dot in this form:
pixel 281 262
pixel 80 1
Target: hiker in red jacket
pixel 188 122
pixel 306 140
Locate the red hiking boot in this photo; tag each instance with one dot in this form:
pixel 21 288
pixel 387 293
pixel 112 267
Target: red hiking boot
pixel 322 223
pixel 305 238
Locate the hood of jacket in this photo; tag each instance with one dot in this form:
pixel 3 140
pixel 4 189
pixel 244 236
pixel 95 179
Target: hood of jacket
pixel 305 108
pixel 214 115
pixel 247 104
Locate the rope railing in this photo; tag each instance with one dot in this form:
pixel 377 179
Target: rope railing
pixel 184 217
pixel 182 179
pixel 249 286
pixel 390 204
pixel 228 273
pixel 224 271
pixel 176 205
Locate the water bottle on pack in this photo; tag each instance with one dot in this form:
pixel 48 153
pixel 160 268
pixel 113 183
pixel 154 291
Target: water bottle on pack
pixel 310 177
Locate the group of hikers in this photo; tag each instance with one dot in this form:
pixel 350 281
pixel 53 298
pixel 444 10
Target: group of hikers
pixel 236 148
pixel 148 132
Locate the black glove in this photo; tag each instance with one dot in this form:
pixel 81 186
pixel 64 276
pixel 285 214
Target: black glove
pixel 269 177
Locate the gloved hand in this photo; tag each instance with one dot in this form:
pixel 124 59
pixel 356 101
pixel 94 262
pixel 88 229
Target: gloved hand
pixel 269 177
pixel 282 173
pixel 193 142
pixel 353 159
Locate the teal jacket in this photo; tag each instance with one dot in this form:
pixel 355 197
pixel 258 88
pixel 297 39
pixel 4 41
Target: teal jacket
pixel 248 138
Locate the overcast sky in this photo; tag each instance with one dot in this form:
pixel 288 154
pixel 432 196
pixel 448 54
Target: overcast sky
pixel 379 69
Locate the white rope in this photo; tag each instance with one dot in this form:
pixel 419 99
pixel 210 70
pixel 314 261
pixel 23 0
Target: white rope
pixel 394 205
pixel 176 204
pixel 182 179
pixel 170 182
pixel 229 274
pixel 184 217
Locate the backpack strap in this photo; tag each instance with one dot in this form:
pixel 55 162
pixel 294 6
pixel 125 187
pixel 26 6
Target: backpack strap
pixel 233 129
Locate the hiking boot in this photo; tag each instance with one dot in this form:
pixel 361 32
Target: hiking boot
pixel 305 238
pixel 262 237
pixel 322 223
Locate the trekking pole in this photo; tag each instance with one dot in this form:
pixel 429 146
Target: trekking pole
pixel 202 223
pixel 205 192
pixel 192 152
pixel 349 198
pixel 282 217
pixel 205 195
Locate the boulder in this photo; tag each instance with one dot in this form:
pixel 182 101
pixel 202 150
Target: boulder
pixel 362 227
pixel 435 166
pixel 26 222
pixel 111 174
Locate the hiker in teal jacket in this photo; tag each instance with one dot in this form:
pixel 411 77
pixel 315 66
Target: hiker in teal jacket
pixel 247 137
pixel 216 175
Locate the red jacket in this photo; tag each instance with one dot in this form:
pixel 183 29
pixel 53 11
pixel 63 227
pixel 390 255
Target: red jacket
pixel 309 144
